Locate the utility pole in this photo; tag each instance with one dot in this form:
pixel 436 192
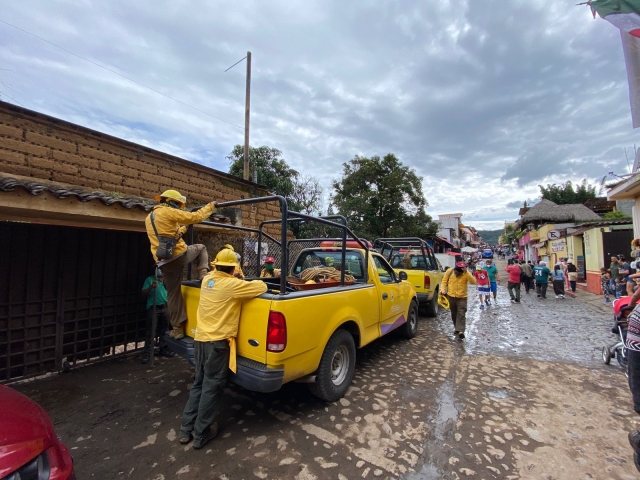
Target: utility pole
pixel 247 115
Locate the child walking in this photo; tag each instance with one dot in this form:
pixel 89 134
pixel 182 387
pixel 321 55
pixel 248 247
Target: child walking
pixel 484 288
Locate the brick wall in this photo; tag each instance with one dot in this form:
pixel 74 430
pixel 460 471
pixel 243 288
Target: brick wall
pixel 46 148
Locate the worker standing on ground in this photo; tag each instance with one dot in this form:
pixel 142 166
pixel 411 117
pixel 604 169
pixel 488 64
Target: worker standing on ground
pixel 165 226
pixel 238 273
pixel 455 285
pixel 221 298
pixel 154 286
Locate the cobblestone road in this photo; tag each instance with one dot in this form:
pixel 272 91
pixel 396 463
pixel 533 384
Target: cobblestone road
pixel 524 396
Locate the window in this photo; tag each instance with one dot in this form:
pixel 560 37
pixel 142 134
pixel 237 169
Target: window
pixel 385 272
pixel 354 262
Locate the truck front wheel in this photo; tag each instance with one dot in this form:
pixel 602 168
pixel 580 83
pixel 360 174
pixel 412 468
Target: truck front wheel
pixel 410 328
pixel 336 368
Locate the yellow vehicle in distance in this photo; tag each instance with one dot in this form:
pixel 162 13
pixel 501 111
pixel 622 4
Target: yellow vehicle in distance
pixel 416 259
pixel 308 330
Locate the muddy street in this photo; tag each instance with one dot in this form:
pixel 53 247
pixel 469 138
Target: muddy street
pixel 525 395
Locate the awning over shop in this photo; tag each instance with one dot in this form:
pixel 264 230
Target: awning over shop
pixel 442 239
pixel 539 245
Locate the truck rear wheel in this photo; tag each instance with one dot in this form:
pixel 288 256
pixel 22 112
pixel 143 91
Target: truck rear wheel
pixel 336 368
pixel 432 306
pixel 410 328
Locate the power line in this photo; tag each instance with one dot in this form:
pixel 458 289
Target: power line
pixel 120 75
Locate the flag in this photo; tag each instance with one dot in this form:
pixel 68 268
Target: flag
pixel 625 15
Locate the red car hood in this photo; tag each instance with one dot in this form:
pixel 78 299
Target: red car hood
pixel 26 430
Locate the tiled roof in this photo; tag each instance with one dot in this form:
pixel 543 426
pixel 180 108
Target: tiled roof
pixel 8 184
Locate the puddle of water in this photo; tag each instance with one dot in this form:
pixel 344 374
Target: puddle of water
pixel 447 414
pixel 502 393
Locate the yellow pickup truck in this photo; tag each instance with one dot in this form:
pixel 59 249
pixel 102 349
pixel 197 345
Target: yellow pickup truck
pixel 415 257
pixel 309 332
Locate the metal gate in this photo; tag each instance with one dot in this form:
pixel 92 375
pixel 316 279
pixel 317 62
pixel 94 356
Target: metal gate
pixel 68 294
pixel 615 243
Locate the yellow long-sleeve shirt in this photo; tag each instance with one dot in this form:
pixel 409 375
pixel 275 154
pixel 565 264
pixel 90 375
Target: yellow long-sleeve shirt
pixel 219 309
pixel 456 286
pixel 169 223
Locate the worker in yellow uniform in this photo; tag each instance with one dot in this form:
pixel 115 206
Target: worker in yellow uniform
pixel 221 297
pixel 269 270
pixel 238 273
pixel 165 226
pixel 454 285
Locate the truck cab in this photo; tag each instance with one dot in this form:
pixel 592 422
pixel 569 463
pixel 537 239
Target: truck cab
pixel 416 259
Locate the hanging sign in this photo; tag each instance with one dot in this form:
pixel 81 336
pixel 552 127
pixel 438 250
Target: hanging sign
pixel 553 234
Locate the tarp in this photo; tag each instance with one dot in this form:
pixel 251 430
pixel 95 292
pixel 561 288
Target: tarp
pixel 469 249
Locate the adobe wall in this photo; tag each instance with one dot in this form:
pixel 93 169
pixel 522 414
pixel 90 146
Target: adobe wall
pixel 46 148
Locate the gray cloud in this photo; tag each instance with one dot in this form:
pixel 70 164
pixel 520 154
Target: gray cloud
pixel 471 94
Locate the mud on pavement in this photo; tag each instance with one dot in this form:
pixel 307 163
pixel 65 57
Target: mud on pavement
pixel 498 406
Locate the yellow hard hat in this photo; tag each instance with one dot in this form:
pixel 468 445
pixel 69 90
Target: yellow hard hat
pixel 443 301
pixel 229 246
pixel 328 261
pixel 225 258
pixel 173 195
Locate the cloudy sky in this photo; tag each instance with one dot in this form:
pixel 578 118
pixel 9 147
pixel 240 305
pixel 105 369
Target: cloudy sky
pixel 485 99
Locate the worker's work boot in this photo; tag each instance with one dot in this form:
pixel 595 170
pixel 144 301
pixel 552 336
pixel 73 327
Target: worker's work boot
pixel 177 333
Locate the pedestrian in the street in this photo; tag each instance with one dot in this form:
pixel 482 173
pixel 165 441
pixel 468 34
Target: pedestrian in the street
pixel 151 287
pixel 221 299
pixel 165 226
pixel 604 284
pixel 455 286
pixel 572 275
pixel 625 271
pixel 484 289
pixel 614 271
pixel 621 287
pixel 541 273
pixel 558 280
pixel 527 275
pixel 632 344
pixel 513 285
pixel 493 278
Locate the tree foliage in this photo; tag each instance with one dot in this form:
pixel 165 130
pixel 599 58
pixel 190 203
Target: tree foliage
pixel 565 192
pixel 382 198
pixel 616 215
pixel 272 170
pixel 302 192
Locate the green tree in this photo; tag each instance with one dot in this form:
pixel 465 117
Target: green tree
pixel 302 192
pixel 382 198
pixel 565 193
pixel 616 215
pixel 272 170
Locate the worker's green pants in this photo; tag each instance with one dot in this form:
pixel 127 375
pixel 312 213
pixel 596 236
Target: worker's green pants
pixel 212 365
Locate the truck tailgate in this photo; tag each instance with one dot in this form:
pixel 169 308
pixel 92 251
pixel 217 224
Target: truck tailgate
pixel 252 331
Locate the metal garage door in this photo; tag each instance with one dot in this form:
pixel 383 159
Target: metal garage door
pixel 68 294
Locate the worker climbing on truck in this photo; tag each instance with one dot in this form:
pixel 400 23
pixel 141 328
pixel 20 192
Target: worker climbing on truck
pixel 165 226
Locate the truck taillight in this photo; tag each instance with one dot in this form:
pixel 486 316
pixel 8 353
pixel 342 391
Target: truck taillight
pixel 427 282
pixel 276 332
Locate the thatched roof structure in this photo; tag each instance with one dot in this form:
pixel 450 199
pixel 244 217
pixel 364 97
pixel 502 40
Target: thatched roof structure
pixel 547 211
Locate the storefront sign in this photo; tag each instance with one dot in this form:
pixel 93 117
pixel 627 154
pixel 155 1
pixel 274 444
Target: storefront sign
pixel 558 246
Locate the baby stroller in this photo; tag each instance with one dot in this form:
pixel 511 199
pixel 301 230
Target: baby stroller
pixel 621 310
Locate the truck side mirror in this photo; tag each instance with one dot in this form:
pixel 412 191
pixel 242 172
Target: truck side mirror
pixel 402 276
